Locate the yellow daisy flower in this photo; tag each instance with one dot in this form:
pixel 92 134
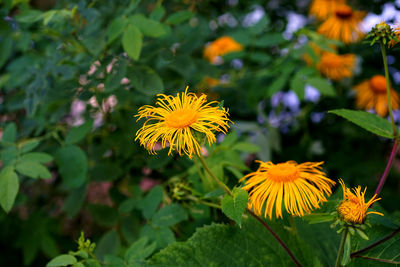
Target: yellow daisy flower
pixel 220 47
pixel 343 25
pixel 371 94
pixel 322 9
pixel 177 120
pixel 336 66
pixel 300 187
pixel 353 208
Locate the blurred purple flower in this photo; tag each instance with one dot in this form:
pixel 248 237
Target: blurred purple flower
pixel 237 64
pixel 276 99
pixel 317 117
pixel 295 22
pixel 396 115
pixel 396 77
pixel 253 17
pixel 227 19
pixel 311 94
pixel 291 101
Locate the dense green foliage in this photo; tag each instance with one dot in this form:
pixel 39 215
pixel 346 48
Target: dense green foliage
pixel 73 75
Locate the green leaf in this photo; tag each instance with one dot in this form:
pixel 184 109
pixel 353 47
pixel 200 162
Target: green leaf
pixel 132 41
pixel 368 121
pixel 147 81
pixel 114 78
pixel 139 250
pixel 10 133
pixel 169 215
pixel 32 169
pixel 6 46
pixel 179 17
pixel 29 16
pixel 157 13
pixel 28 145
pixel 108 244
pixel 113 261
pixel 246 147
pixel 147 26
pixel 62 260
pixel 234 207
pixel 74 201
pixel 322 85
pixel 72 164
pixel 39 157
pixel 224 245
pixel 163 236
pixel 9 186
pixel 76 134
pixel 149 204
pixel 271 39
pixel 115 29
pixel 347 250
pixel 103 215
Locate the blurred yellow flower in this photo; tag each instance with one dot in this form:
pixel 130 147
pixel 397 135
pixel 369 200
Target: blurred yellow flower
pixel 353 208
pixel 397 35
pixel 177 120
pixel 300 187
pixel 343 25
pixel 322 9
pixel 220 47
pixel 336 66
pixel 371 94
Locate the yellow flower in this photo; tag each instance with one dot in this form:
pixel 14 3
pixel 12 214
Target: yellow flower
pixel 300 187
pixel 397 35
pixel 371 94
pixel 177 120
pixel 220 47
pixel 211 82
pixel 336 66
pixel 353 208
pixel 322 9
pixel 343 25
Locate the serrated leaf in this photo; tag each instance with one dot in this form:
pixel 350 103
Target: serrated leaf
pixel 32 169
pixel 368 121
pixel 169 215
pixel 132 41
pixel 139 250
pixel 76 134
pixel 9 186
pixel 234 206
pixel 62 260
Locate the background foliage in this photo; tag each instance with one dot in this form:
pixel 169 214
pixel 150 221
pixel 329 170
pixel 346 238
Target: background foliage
pixel 73 75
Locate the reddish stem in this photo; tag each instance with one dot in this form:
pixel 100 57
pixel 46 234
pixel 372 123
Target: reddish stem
pixel 388 166
pixel 285 247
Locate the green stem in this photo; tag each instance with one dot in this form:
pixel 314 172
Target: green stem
pixel 341 247
pixel 383 50
pixel 210 204
pixel 218 181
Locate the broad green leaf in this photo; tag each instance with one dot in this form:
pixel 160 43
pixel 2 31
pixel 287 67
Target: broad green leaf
pixel 163 236
pixel 368 121
pixel 112 261
pixel 271 39
pixel 6 46
pixel 139 250
pixel 28 145
pixel 115 29
pixel 246 147
pixel 147 81
pixel 149 204
pixel 9 186
pixel 322 85
pixel 347 250
pixel 179 17
pixel 32 169
pixel 74 201
pixel 234 206
pixel 10 133
pixel 9 155
pixel 169 215
pixel 147 26
pixel 29 16
pixel 157 13
pixel 62 260
pixel 108 244
pixel 72 164
pixel 132 41
pixel 76 134
pixel 39 157
pixel 224 245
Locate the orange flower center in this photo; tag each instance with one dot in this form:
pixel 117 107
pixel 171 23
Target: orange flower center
pixel 378 84
pixel 351 212
pixel 343 12
pixel 283 172
pixel 181 118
